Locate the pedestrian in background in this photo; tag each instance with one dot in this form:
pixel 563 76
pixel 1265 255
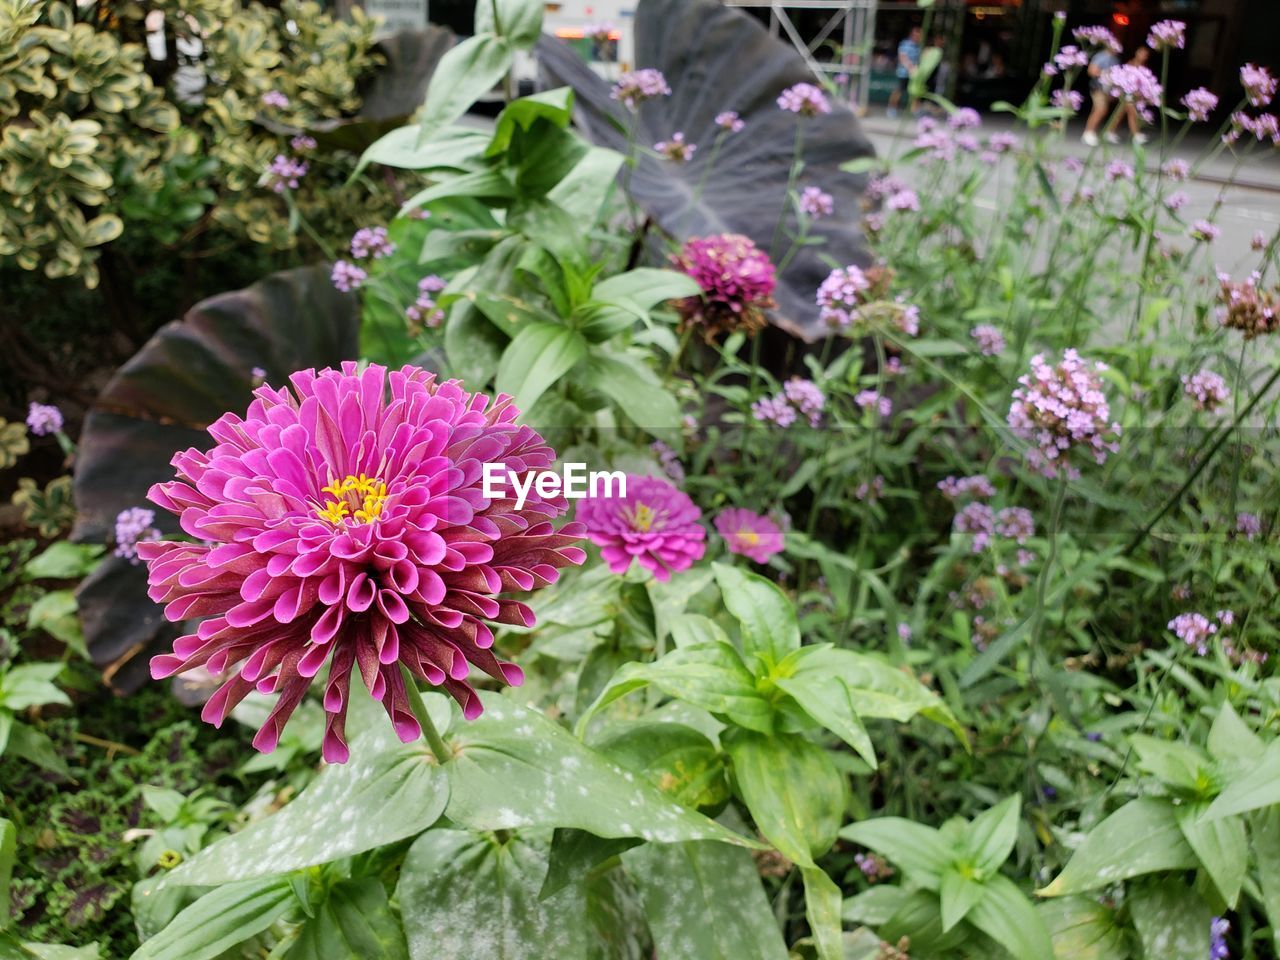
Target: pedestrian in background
pixel 908 63
pixel 1139 59
pixel 1102 61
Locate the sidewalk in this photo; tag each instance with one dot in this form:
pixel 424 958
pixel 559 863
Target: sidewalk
pixel 1260 170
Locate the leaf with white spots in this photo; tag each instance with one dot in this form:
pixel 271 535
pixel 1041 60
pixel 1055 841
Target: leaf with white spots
pixel 516 768
pixel 1172 919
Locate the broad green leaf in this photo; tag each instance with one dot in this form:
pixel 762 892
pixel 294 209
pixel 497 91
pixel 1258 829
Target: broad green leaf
pixel 1083 929
pixel 33 745
pixel 387 791
pixel 451 148
pixel 538 357
pixel 710 676
pixel 63 561
pixel 1264 838
pixel 1231 742
pixel 874 905
pixel 830 702
pixel 1257 788
pixel 49 951
pixel 576 853
pixel 222 918
pixel 473 344
pixel 464 74
pixel 355 922
pixel 704 901
pixel 555 106
pixel 822 909
pixel 515 768
pixel 693 629
pixel 1172 920
pixel 601 320
pixel 582 192
pixel 1141 837
pixel 1006 915
pixel 637 391
pixel 56 613
pixel 31 685
pixel 794 791
pixel 767 617
pixel 1178 765
pixel 520 21
pixel 1221 847
pixel 917 850
pixel 647 286
pixel 990 836
pixel 473 896
pixel 675 758
pixel 958 895
pixel 486 183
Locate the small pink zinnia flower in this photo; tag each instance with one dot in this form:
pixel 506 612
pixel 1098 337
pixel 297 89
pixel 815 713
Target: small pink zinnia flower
pixel 749 534
pixel 342 524
pixel 737 280
pixel 655 524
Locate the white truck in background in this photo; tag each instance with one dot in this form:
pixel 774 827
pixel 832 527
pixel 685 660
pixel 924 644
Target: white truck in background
pixel 602 31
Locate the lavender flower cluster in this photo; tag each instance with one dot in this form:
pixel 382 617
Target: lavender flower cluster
pixel 1061 409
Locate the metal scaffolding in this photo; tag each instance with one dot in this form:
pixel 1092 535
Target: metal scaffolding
pixel 856 21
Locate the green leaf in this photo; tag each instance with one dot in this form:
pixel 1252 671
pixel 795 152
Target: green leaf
pixel 767 618
pixel 221 919
pixel 518 20
pixel 8 857
pixel 465 895
pixel 34 746
pixel 991 834
pixel 1231 742
pixel 829 701
pixel 1258 787
pixel 677 759
pixel 647 287
pixel 693 629
pixel 1141 837
pixel 515 768
pixel 386 792
pixel 917 850
pixel 57 614
pixel 1221 847
pixel 31 685
pixel 539 356
pixel 794 791
pixel 63 561
pixel 822 909
pixel 473 344
pixel 638 393
pixel 1083 929
pixel 601 320
pixel 1006 915
pixel 704 901
pixel 554 106
pixel 958 895
pixel 491 185
pixel 354 922
pixel 710 676
pixel 465 73
pixel 452 148
pixel 1172 920
pixel 875 905
pixel 1178 765
pixel 582 192
pixel 1264 836
pixel 576 853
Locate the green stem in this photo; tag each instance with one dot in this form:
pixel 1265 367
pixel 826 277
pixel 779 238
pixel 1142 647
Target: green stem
pixel 439 749
pixel 1042 588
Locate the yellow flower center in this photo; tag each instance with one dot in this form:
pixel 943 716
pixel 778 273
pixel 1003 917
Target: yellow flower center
pixel 642 518
pixel 356 498
pixel 749 537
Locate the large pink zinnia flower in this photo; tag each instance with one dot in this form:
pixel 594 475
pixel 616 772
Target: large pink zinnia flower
pixel 654 523
pixel 749 534
pixel 343 523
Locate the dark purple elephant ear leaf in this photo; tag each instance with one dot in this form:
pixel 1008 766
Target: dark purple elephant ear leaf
pixel 161 401
pixel 717 59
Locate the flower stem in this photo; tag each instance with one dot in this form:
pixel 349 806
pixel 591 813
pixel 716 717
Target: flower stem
pixel 439 748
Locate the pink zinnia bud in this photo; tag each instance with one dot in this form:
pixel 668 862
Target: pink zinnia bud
pixel 654 524
pixel 342 524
